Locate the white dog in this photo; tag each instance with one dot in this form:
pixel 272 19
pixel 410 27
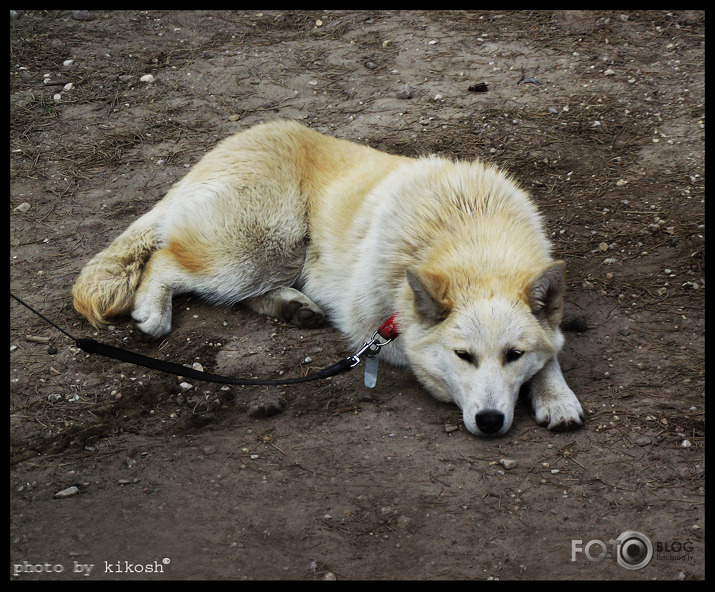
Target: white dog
pixel 297 225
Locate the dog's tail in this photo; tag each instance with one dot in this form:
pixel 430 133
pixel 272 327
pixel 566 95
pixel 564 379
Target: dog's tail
pixel 107 284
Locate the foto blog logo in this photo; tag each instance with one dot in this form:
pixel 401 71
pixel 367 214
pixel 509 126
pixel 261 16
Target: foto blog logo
pixel 631 550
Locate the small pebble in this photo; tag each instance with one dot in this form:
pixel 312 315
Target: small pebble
pixel 22 208
pixel 147 78
pixel 405 92
pixel 507 463
pixel 266 406
pixel 69 492
pixel 451 428
pixel 82 15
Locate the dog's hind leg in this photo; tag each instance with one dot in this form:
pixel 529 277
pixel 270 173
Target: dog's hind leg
pixel 162 278
pixel 289 305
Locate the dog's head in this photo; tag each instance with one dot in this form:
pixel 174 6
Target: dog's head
pixel 476 343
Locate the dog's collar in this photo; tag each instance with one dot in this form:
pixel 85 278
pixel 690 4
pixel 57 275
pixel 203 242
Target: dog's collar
pixel 389 329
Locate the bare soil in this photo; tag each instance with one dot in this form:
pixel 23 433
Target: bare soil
pixel 599 114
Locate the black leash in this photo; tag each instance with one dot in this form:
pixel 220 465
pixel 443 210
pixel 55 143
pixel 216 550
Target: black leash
pixel 92 346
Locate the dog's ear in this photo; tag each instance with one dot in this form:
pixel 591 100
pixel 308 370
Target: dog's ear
pixel 545 294
pixel 430 293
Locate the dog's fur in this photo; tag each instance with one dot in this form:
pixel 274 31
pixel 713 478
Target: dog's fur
pixel 294 223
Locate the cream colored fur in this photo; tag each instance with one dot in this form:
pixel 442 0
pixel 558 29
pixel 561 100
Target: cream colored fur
pixel 297 224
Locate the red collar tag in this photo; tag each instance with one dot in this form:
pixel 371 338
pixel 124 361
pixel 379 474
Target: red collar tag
pixel 389 329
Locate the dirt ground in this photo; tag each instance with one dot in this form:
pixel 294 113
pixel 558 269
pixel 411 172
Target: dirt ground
pixel 600 115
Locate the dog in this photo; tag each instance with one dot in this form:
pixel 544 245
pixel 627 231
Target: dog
pixel 299 226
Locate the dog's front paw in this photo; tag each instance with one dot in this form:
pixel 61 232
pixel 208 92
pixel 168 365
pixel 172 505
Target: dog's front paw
pixel 558 412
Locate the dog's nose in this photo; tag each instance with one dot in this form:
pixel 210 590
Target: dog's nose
pixel 490 422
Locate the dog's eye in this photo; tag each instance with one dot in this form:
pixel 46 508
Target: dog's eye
pixel 464 355
pixel 512 355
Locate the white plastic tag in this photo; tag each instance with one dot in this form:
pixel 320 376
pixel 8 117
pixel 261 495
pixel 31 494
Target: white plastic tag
pixel 370 371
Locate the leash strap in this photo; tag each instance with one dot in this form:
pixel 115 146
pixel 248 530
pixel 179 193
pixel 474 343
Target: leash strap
pixel 92 346
pixel 388 331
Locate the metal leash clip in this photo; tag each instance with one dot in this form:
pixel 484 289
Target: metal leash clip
pixel 371 348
